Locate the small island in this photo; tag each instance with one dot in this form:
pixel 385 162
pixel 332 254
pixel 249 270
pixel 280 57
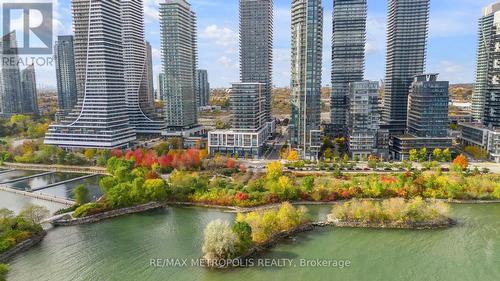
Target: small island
pixel 19 233
pixel 252 233
pixel 394 213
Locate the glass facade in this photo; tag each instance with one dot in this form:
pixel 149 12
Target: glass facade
pixel 179 58
pixel 100 118
pixel 307 53
pixel 348 55
pixel 407 31
pixel 65 73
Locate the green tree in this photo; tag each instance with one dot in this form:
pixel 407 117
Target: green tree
pixel 447 155
pixel 244 232
pixel 422 155
pixel 437 155
pixel 413 155
pixel 81 195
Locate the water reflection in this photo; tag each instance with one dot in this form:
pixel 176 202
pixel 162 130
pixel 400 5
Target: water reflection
pixel 12 175
pixel 67 190
pixel 42 181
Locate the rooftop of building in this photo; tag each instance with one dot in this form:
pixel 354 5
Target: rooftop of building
pixel 492 8
pixel 479 126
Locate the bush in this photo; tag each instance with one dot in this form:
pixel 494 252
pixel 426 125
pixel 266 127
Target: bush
pixel 89 209
pixel 220 241
pixel 392 210
pixel 4 270
pixel 66 210
pixel 496 193
pixel 267 223
pixel 244 233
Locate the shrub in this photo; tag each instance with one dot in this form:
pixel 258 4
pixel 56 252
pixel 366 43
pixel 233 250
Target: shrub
pixel 220 241
pixel 392 210
pixel 265 224
pixel 89 209
pixel 496 193
pixel 4 270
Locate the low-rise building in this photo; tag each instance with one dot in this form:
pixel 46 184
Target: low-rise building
pixel 476 134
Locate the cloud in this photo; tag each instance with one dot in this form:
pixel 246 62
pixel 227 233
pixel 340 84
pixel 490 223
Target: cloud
pixel 451 67
pixel 375 35
pixel 227 62
pixel 221 36
pixel 151 11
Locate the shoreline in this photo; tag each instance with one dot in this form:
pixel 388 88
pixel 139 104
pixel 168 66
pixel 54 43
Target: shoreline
pixel 272 242
pixel 446 222
pixel 22 247
pixel 236 209
pixel 69 220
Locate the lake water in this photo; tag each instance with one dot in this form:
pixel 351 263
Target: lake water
pixel 41 181
pixel 66 190
pixel 121 249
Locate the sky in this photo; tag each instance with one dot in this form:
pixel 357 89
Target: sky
pixel 451 47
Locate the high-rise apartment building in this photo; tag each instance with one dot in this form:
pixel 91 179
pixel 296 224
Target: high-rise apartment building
pixel 149 73
pixel 256 46
pixel 138 86
pixel 203 87
pixel 10 77
pixel 252 123
pixel 100 119
pixel 407 31
pixel 65 73
pixel 179 53
pixel 307 50
pixel 427 118
pixel 348 56
pixel 248 132
pixel 488 43
pixel 28 87
pixel 363 118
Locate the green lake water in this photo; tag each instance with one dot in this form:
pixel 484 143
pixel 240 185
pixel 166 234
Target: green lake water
pixel 122 249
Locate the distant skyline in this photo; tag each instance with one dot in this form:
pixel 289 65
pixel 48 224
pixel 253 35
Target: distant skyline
pixel 451 48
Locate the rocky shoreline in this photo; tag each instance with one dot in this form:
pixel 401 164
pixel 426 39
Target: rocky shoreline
pixel 22 247
pixel 68 220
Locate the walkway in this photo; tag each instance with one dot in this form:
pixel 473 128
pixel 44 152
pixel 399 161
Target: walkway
pixel 57 168
pixel 38 196
pixel 27 177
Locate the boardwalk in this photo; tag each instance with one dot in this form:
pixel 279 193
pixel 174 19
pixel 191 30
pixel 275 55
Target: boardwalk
pixel 38 196
pixel 57 168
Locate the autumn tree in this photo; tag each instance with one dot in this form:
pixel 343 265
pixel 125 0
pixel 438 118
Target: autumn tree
pixel 293 155
pixel 461 162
